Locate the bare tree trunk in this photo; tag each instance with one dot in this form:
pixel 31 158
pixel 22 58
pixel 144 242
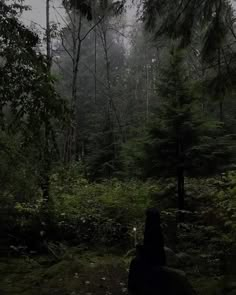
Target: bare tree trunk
pixel 73 148
pixel 147 85
pixel 95 65
pixel 47 158
pixel 147 93
pixel 76 60
pixel 48 34
pixel 110 102
pixel 108 77
pixel 221 112
pixel 46 213
pixel 180 175
pixel 181 189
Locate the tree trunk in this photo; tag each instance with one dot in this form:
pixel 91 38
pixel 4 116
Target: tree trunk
pixel 47 158
pixel 48 34
pixel 181 189
pixel 147 92
pixel 221 111
pixel 111 135
pixel 74 132
pixel 95 65
pixel 221 91
pixel 47 163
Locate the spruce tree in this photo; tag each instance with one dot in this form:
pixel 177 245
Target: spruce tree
pixel 182 141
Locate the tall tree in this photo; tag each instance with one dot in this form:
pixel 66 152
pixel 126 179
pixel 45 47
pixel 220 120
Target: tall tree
pixel 182 142
pixel 183 20
pixel 29 102
pixel 212 23
pixel 78 30
pixel 91 60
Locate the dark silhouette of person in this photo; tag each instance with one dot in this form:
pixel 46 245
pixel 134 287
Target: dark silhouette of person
pixel 148 274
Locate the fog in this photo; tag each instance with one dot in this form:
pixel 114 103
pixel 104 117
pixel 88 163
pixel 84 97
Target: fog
pixel 37 15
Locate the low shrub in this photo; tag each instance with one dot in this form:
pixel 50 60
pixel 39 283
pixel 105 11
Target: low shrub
pixel 104 213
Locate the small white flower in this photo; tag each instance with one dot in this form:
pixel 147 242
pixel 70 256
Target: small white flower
pixel 42 233
pixel 76 276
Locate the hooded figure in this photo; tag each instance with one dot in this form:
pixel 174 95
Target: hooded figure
pixel 148 273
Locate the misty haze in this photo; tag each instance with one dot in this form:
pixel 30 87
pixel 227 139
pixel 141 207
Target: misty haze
pixel 117 147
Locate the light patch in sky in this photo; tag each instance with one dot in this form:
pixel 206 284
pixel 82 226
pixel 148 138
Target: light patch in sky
pixel 37 14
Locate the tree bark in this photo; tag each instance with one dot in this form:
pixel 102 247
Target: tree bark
pixel 221 111
pixel 110 105
pixel 46 158
pixel 181 188
pixel 180 173
pixel 95 66
pixel 48 34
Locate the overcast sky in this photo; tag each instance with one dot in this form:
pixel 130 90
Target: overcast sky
pixel 38 12
pixel 38 15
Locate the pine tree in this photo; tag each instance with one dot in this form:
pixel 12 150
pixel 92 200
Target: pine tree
pixel 184 19
pixel 181 141
pixel 207 29
pixel 101 160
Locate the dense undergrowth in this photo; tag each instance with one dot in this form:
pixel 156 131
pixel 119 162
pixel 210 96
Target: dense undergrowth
pixel 109 216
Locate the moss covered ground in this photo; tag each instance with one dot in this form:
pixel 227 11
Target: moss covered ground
pixel 82 273
pixel 74 274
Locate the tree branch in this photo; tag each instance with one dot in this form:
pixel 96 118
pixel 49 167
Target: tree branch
pixel 94 26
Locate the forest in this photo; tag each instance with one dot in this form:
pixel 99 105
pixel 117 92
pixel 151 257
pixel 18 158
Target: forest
pixel 120 106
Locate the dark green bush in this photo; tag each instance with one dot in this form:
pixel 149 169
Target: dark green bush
pixel 104 213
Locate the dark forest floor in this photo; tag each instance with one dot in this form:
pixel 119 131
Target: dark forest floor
pixel 73 275
pixel 80 273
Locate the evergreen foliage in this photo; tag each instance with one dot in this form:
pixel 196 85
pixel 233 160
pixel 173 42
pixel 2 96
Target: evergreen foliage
pixel 182 141
pixel 29 105
pixel 182 20
pixel 140 121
